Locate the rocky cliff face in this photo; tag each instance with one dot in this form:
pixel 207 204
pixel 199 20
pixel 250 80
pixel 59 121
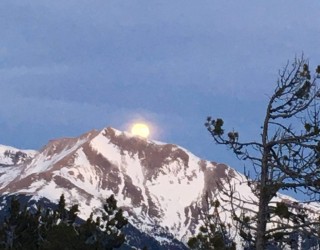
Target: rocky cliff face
pixel 161 186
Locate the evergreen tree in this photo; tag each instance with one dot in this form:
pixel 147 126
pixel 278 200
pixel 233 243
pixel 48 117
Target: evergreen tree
pixel 21 229
pixel 57 229
pixel 61 210
pixel 105 232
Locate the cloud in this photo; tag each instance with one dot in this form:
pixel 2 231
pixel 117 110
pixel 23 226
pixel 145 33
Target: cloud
pixel 210 46
pixel 69 66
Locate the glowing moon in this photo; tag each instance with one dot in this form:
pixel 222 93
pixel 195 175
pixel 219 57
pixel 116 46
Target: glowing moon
pixel 140 129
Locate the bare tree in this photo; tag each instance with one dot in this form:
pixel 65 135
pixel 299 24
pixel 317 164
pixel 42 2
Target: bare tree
pixel 287 155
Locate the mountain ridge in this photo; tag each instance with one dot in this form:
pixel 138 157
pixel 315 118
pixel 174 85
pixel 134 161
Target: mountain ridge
pixel 160 186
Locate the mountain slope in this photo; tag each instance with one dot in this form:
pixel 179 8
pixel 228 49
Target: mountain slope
pixel 160 186
pixel 149 179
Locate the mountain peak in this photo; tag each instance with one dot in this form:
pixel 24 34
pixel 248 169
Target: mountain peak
pixel 149 179
pixel 159 185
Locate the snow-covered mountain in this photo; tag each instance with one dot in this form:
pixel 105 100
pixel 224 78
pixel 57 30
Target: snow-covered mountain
pixel 159 185
pixel 11 161
pixel 10 156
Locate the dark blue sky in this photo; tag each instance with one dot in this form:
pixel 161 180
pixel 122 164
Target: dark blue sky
pixel 67 67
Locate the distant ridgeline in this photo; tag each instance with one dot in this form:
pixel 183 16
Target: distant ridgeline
pixel 15 156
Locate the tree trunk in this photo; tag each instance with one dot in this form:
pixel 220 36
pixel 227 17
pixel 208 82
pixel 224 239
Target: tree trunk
pixel 262 220
pixel 264 199
pixel 263 192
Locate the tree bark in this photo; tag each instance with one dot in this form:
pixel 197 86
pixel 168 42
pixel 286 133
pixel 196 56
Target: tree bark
pixel 262 221
pixel 262 216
